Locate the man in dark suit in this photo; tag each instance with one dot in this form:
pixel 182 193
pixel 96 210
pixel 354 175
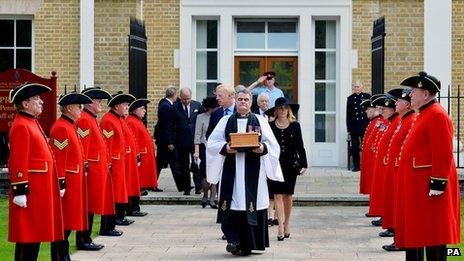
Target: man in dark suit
pixel 262 102
pixel 225 95
pixel 356 121
pixel 185 113
pixel 164 132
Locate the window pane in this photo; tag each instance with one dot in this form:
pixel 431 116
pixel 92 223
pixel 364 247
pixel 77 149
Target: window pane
pixel 207 65
pixel 284 76
pixel 248 72
pixel 325 128
pixel 205 89
pixel 325 97
pixel 6 59
pixel 23 59
pixel 282 35
pixel 325 65
pixel 23 33
pixel 250 35
pixel 7 33
pixel 325 34
pixel 206 34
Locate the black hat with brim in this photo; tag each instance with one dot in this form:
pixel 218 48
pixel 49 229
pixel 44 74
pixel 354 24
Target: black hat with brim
pixel 269 74
pixel 283 102
pixel 73 98
pixel 385 101
pixel 96 93
pixel 119 98
pixel 423 81
pixel 367 103
pixel 209 102
pixel 400 93
pixel 137 104
pixel 26 91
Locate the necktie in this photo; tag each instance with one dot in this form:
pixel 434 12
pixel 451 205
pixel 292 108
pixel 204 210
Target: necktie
pixel 186 110
pixel 226 112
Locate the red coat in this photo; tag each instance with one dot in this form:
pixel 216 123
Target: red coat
pixel 147 168
pixel 391 170
pixel 99 182
pixel 132 158
pixel 367 154
pixel 32 172
pixel 426 156
pixel 378 173
pixel 69 156
pixel 111 126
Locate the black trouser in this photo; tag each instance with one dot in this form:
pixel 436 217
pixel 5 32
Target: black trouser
pixel 62 247
pixel 134 204
pixel 121 210
pixel 28 251
pixel 164 156
pixel 184 157
pixel 83 237
pixel 435 253
pixel 107 223
pixel 356 140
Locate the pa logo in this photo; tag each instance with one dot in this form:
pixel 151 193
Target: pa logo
pixel 454 251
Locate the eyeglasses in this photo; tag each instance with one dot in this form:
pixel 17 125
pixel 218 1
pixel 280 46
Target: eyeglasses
pixel 243 99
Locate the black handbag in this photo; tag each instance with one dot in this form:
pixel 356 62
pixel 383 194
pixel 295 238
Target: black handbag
pixel 296 163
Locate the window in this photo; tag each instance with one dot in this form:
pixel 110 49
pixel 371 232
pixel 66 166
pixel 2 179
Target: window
pixel 267 35
pixel 325 80
pixel 16 44
pixel 206 57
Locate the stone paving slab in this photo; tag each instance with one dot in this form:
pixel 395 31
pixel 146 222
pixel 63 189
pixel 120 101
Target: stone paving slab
pixel 181 232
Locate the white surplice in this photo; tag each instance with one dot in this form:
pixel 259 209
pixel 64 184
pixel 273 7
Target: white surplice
pixel 270 166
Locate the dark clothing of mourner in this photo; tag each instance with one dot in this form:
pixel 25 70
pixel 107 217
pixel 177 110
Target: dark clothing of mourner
pixel 184 119
pixel 292 157
pixel 216 117
pixel 356 124
pixel 164 135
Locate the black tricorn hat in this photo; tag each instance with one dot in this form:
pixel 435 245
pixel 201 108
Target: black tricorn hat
pixel 121 97
pixel 26 91
pixel 400 93
pixel 96 93
pixel 367 103
pixel 282 101
pixel 385 101
pixel 138 103
pixel 73 98
pixel 209 102
pixel 424 81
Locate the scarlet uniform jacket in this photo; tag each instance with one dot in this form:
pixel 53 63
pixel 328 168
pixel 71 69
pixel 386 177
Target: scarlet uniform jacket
pixel 111 126
pixel 391 170
pixel 378 173
pixel 70 165
pixel 367 154
pixel 426 161
pixel 99 181
pixel 132 158
pixel 147 168
pixel 32 173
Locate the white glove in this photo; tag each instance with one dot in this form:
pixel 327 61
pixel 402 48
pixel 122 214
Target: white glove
pixel 302 171
pixel 62 192
pixel 20 201
pixel 433 192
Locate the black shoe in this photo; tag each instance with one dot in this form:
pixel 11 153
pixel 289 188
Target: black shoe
pixel 204 204
pixel 391 247
pixel 137 213
pixel 369 215
pixel 124 222
pixel 157 190
pixel 276 222
pixel 377 222
pixel 213 206
pixel 144 193
pixel 198 191
pixel 223 237
pixel 111 233
pixel 286 235
pixel 280 238
pixel 243 252
pixel 187 192
pixel 270 222
pixel 355 169
pixel 89 246
pixel 233 248
pixel 387 233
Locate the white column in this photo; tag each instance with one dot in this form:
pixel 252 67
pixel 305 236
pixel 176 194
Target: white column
pixel 226 49
pixel 86 65
pixel 437 41
pixel 186 52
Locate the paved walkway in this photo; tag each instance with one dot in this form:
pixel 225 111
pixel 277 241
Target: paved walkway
pixel 188 232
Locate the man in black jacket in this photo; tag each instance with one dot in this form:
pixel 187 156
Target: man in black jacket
pixel 185 113
pixel 164 132
pixel 356 121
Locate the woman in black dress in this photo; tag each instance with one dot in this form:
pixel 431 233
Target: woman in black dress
pixel 292 160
